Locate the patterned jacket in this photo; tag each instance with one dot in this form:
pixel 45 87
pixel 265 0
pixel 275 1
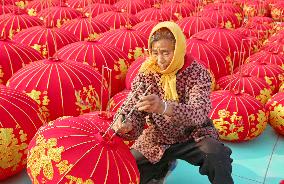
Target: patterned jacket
pixel 189 122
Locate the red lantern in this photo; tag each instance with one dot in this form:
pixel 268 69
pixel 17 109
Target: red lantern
pixel 179 9
pixel 277 46
pixel 103 120
pixel 275 37
pixel 98 54
pixel 58 15
pixel 154 14
pixel 267 57
pixel 45 39
pixel 145 27
pixel 224 18
pixel 229 40
pixel 20 118
pixel 275 106
pixel 97 8
pixel 271 73
pixel 277 11
pixel 34 7
pixel 255 8
pixel 15 23
pixel 261 20
pixel 13 57
pixel 84 28
pixel 131 6
pixel 265 29
pixel 62 148
pixel 226 6
pixel 216 58
pixel 117 19
pixel 237 116
pixel 106 1
pixel 251 85
pixel 194 24
pixel 61 88
pixel 6 9
pixel 130 41
pixel 281 89
pixel 133 71
pixel 78 5
pixel 117 100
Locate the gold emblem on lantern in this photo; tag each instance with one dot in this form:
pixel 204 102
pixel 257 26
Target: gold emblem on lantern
pixel 277 115
pixel 41 49
pixel 75 180
pixel 1 74
pixel 265 94
pixel 42 156
pixel 32 12
pixel 136 53
pixel 42 99
pixel 260 124
pixel 87 99
pixel 10 148
pixel 228 130
pixel 120 67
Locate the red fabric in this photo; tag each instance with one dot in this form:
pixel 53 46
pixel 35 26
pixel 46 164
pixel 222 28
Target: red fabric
pixel 97 8
pixel 13 57
pixel 131 6
pixel 179 9
pixel 79 141
pixel 237 116
pixel 225 18
pixel 154 14
pixel 20 119
pixel 106 1
pixel 275 106
pixel 131 42
pixel 83 27
pixel 194 24
pixel 17 22
pixel 117 19
pixel 217 59
pixel 133 71
pixel 271 73
pixel 43 40
pixel 58 15
pixel 34 7
pixel 117 100
pixel 61 87
pixel 267 57
pixel 98 54
pixel 229 40
pixel 252 85
pixel 145 27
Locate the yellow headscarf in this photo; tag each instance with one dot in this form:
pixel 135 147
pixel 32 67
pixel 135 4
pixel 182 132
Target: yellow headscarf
pixel 168 78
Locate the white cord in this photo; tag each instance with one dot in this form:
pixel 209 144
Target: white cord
pixel 165 109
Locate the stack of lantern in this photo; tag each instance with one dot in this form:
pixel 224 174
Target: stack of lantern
pixel 73 57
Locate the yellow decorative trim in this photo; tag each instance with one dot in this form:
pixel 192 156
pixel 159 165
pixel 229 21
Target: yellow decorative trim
pixel 87 99
pixel 1 74
pixel 10 148
pixel 75 180
pixel 264 96
pixel 42 156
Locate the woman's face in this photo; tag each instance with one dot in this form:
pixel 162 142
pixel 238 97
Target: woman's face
pixel 163 51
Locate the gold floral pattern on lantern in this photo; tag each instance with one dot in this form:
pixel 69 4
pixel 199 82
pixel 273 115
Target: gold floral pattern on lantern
pixel 228 130
pixel 136 53
pixel 87 99
pixel 42 99
pixel 269 82
pixel 32 12
pixel 76 180
pixel 1 74
pixel 228 25
pixel 281 88
pixel 41 49
pixel 10 148
pixel 12 32
pixel 277 115
pixel 92 37
pixel 259 128
pixel 120 66
pixel 60 22
pixel 264 96
pixel 42 156
pixel 21 4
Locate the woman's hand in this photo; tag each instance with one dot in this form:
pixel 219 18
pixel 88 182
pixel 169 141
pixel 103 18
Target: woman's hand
pixel 121 127
pixel 151 103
